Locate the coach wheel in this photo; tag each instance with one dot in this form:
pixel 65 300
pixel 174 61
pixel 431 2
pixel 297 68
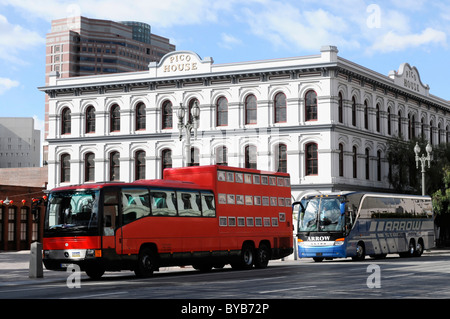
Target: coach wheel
pixel 411 250
pixel 419 248
pixel 95 272
pixel 203 267
pixel 262 256
pixel 246 258
pixel 360 252
pixel 146 263
pixel 318 259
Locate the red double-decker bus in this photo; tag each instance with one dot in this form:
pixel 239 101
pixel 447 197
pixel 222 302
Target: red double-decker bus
pixel 205 216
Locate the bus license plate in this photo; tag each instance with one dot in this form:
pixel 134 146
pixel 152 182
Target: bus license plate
pixel 319 254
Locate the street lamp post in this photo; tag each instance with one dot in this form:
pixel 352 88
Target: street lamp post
pixel 422 159
pixel 188 127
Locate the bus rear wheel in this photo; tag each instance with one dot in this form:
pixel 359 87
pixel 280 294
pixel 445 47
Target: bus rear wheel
pixel 419 248
pixel 360 252
pixel 262 256
pixel 146 263
pixel 246 258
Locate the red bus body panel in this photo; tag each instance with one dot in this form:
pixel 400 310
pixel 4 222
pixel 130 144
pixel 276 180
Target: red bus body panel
pixel 250 206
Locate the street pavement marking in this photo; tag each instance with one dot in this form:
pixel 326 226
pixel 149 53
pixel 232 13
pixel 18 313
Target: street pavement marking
pixel 286 289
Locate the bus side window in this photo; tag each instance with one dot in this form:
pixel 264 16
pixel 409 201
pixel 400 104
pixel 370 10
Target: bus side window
pixel 135 204
pixel 163 203
pixel 188 204
pixel 208 206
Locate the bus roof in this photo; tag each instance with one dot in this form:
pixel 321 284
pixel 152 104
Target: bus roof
pixel 346 193
pixel 156 183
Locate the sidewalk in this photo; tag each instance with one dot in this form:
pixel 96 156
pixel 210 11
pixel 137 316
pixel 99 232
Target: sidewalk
pixel 14 268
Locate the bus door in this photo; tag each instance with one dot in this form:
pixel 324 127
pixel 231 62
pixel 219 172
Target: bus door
pixel 112 232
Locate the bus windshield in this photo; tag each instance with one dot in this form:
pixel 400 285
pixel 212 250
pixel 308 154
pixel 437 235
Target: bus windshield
pixel 75 210
pixel 322 214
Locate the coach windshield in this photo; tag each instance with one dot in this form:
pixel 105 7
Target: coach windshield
pixel 72 211
pixel 322 214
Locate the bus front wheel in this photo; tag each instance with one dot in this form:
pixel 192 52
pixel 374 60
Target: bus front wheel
pixel 146 263
pixel 360 252
pixel 95 272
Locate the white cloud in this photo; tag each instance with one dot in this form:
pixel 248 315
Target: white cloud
pixel 228 41
pixel 15 38
pixel 392 41
pixel 6 84
pixel 288 26
pixel 165 13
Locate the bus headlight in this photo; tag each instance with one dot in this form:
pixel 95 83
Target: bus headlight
pixel 339 242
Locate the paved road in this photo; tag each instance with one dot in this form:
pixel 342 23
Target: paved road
pixel 391 278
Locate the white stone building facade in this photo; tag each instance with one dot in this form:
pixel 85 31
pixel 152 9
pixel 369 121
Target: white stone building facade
pixel 323 119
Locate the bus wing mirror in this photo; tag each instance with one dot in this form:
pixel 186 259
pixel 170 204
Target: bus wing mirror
pixel 298 203
pixel 342 208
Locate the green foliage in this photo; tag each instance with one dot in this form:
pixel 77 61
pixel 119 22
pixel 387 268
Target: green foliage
pixel 405 176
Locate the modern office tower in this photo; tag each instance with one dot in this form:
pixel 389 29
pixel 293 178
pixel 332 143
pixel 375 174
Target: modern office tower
pixel 20 143
pixel 79 46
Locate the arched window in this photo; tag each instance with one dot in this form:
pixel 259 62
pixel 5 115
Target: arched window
pixel 447 134
pixel 195 157
pixel 312 159
pixel 222 155
pixel 377 119
pixel 379 166
pixel 250 109
pixel 311 106
pixel 282 158
pixel 367 163
pixel 140 116
pixel 90 119
pixel 400 132
pixel 354 111
pixel 439 133
pixel 280 108
pixel 65 168
pixel 355 162
pixel 115 118
pixel 167 114
pixel 222 111
pixel 250 156
pixel 114 166
pixel 411 129
pixel 89 167
pixel 341 160
pixel 422 127
pixel 389 128
pixel 139 165
pixel 366 115
pixel 431 133
pixel 166 160
pixel 66 121
pixel 340 108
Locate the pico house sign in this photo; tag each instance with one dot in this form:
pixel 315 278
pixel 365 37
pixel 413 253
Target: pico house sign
pixel 408 77
pixel 180 63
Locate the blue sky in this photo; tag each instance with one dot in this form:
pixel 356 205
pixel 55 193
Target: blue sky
pixel 380 35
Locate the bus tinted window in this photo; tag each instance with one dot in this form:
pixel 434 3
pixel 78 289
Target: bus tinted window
pixel 135 204
pixel 208 205
pixel 394 207
pixel 188 203
pixel 163 203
